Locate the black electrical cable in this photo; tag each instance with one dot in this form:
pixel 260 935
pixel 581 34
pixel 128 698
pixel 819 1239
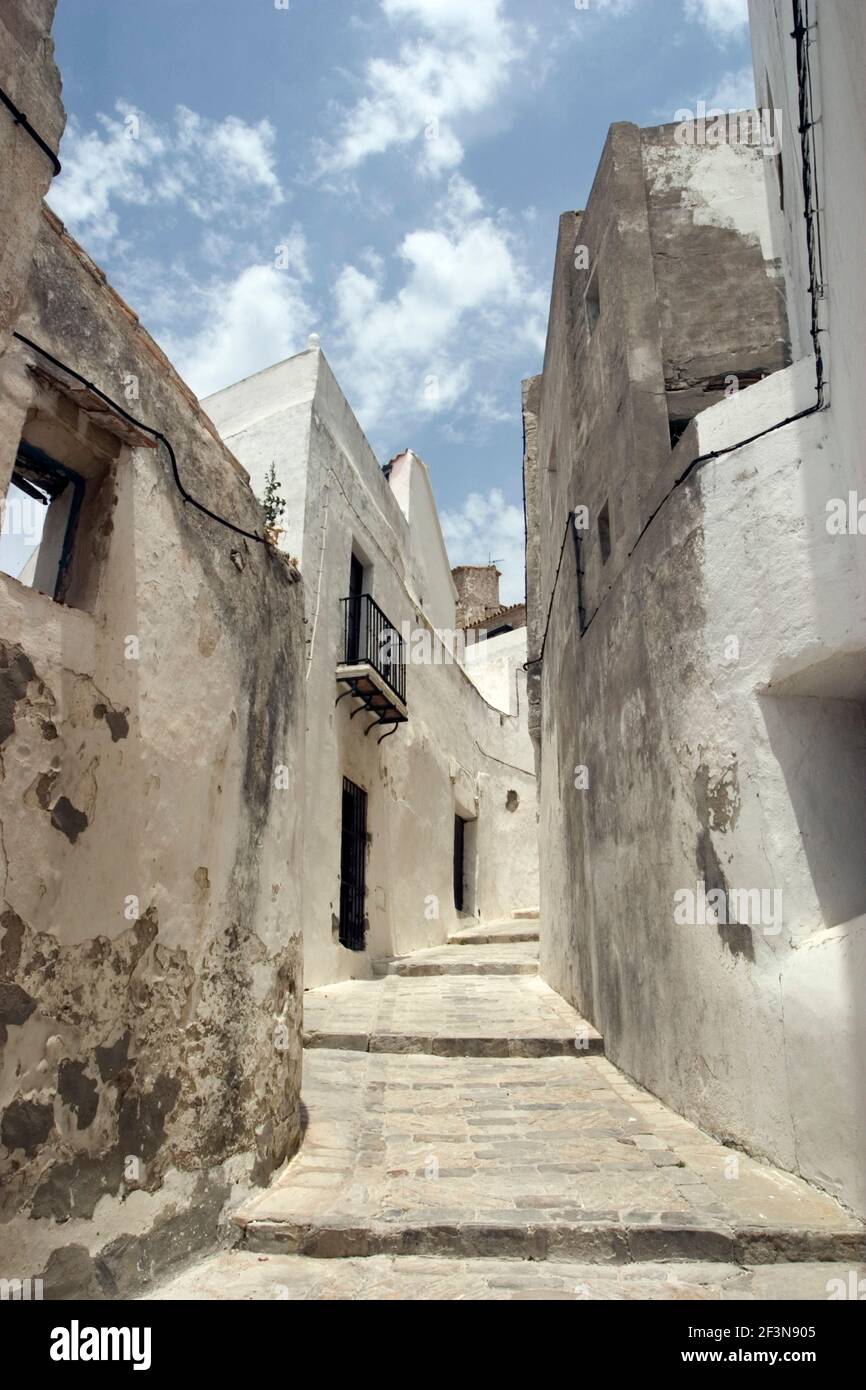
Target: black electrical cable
pixel 148 429
pixel 800 35
pixel 21 119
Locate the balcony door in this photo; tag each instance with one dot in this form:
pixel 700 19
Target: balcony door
pixel 353 615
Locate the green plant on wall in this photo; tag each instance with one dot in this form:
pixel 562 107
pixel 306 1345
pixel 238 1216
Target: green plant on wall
pixel 274 505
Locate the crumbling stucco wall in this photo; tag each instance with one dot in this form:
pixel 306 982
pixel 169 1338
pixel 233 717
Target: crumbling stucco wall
pixel 29 75
pixel 151 740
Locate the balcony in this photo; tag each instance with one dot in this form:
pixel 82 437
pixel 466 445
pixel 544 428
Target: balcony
pixel 373 667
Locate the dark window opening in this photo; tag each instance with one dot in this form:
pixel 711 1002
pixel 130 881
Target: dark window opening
pixel 604 532
pixel 40 517
pixel 592 303
pixel 678 428
pixel 353 864
pixel 498 631
pixel 354 613
pixel 459 867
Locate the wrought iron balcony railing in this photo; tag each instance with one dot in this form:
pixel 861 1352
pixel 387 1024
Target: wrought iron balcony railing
pixel 370 637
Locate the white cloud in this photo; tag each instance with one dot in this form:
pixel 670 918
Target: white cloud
pixel 103 168
pixel 725 19
pixel 210 168
pixel 459 67
pixel 488 527
pixel 466 299
pixel 246 324
pixel 735 92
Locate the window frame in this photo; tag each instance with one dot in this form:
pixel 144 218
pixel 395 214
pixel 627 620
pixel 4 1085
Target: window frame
pixel 31 460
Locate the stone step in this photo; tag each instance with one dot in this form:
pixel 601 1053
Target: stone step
pixel 595 1240
pixel 447 1016
pixel 525 914
pixel 526 1160
pixel 247 1275
pixel 495 958
pixel 506 932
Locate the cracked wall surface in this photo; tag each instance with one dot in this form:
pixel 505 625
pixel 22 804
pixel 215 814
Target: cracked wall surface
pixel 150 960
pixel 707 726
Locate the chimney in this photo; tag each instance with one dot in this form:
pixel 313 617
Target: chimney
pixel 477 593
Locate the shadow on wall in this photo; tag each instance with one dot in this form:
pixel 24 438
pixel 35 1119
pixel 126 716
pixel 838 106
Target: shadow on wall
pixel 820 745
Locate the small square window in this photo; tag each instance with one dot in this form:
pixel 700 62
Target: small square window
pixel 604 532
pixel 678 427
pixel 40 516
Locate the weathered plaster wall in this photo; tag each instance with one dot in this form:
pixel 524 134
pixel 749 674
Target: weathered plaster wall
pixel 456 753
pixel 150 959
pixel 477 593
pixel 708 726
pixel 720 294
pixel 30 76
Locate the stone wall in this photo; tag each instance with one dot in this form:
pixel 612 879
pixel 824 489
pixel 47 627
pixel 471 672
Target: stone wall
pixel 477 593
pixel 150 962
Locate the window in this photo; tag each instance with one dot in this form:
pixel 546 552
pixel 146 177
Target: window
pixel 604 532
pixel 40 518
pixel 592 303
pixel 353 866
pixel 678 427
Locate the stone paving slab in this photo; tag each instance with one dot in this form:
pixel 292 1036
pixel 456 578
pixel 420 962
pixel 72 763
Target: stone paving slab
pixel 244 1275
pixel 493 958
pixel 556 1158
pixel 495 933
pixel 487 1016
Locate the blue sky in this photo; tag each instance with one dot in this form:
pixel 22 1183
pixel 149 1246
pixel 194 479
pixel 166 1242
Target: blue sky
pixel 387 173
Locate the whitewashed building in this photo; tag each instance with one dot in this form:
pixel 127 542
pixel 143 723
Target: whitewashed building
pixel 698 652
pixel 420 803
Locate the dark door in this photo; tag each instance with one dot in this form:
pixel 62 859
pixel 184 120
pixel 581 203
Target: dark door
pixel 353 614
pixel 459 837
pixel 353 860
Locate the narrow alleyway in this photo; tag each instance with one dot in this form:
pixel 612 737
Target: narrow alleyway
pixel 466 1138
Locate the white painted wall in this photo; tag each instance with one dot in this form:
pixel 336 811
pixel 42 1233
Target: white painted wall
pixel 266 418
pixel 838 59
pixel 431 572
pixel 759 1036
pixel 496 667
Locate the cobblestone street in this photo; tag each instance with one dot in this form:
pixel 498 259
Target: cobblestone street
pixel 459 1144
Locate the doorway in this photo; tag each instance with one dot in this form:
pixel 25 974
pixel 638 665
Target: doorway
pixel 353 616
pixel 353 865
pixel 459 863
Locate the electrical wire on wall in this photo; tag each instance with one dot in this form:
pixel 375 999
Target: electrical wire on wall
pixel 20 119
pixel 148 429
pixel 801 36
